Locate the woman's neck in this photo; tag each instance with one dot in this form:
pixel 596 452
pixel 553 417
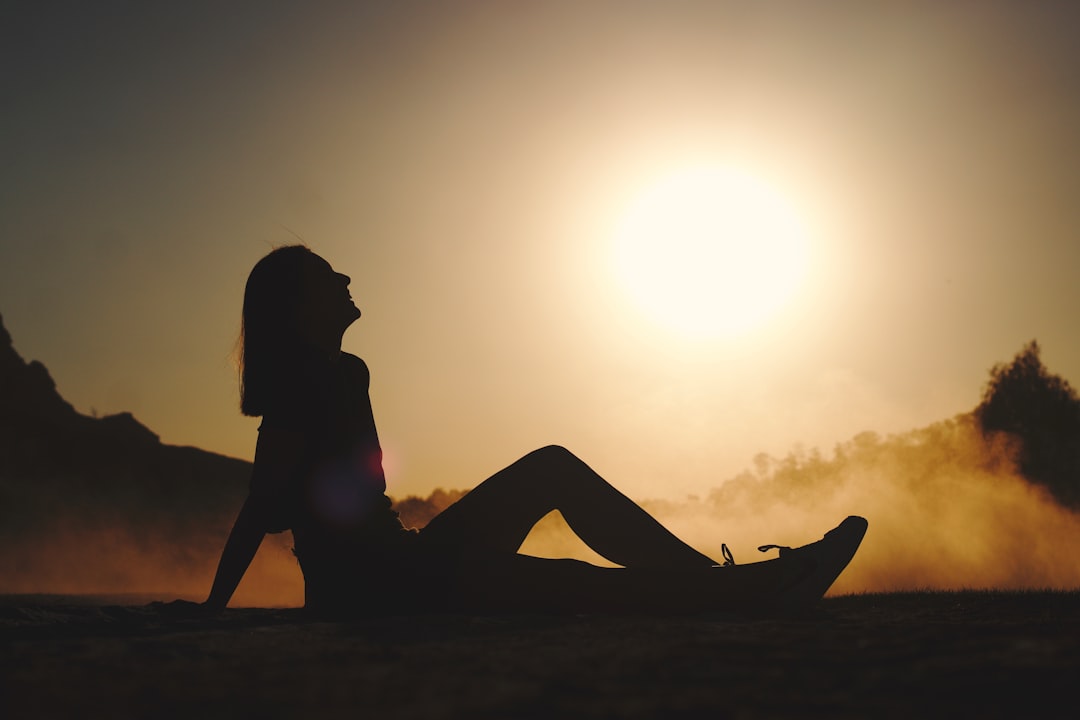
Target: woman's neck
pixel 329 348
pixel 321 336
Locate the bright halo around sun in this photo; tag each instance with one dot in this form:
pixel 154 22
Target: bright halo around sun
pixel 710 252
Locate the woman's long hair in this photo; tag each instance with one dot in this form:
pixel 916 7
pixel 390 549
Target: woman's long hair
pixel 268 325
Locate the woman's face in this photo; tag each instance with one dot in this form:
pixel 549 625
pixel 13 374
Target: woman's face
pixel 325 302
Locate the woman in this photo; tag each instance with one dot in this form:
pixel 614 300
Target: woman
pixel 318 472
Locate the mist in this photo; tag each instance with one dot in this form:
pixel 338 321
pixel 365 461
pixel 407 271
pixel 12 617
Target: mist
pixel 946 504
pixel 947 508
pixel 69 551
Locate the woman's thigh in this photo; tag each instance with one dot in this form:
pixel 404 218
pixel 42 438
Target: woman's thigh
pixel 497 515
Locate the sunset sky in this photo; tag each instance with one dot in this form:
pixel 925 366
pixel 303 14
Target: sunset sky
pixel 483 170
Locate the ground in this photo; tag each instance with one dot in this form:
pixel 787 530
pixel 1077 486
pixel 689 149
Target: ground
pixel 985 654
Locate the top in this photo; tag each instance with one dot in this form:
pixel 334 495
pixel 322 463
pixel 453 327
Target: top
pixel 340 488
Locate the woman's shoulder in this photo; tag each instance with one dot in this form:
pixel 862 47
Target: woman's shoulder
pixel 350 359
pixel 355 376
pixel 354 365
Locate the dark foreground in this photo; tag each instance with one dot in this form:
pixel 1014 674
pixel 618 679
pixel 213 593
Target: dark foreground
pixel 964 654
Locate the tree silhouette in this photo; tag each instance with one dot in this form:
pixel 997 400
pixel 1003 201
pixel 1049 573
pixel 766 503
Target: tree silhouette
pixel 1042 410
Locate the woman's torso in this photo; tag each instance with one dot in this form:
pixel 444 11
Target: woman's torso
pixel 335 503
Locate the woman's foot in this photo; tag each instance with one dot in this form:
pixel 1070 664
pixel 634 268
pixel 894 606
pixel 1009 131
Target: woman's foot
pixel 830 556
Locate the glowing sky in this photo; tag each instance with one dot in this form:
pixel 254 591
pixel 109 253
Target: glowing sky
pixel 468 163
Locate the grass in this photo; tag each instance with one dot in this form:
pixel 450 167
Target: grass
pixel 980 652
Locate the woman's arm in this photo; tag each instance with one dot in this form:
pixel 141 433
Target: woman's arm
pixel 278 460
pixel 240 548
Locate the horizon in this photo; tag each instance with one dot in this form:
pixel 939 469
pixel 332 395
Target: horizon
pixel 475 170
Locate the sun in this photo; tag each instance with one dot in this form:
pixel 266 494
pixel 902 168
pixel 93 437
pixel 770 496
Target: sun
pixel 710 251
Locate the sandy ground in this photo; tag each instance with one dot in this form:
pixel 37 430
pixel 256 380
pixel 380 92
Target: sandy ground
pixel 969 654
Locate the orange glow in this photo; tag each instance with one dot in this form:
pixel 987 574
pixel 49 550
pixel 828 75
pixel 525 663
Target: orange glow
pixel 947 511
pixel 110 562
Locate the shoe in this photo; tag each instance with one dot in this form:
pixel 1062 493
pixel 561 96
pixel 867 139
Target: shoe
pixel 831 555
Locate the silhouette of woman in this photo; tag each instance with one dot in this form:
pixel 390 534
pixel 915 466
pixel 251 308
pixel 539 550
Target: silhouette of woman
pixel 318 472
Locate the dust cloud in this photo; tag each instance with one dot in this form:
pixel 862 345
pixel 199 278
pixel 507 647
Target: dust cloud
pixel 947 506
pixel 101 553
pixel 146 561
pixel 947 509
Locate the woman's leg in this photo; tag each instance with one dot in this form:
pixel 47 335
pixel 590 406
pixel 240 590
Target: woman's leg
pixel 508 582
pixel 495 517
pixel 519 583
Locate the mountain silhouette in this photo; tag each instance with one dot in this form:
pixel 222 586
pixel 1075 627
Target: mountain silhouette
pixel 69 476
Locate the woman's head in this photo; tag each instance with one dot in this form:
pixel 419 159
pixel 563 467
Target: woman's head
pixel 292 298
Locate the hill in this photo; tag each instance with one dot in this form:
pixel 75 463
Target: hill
pixel 88 503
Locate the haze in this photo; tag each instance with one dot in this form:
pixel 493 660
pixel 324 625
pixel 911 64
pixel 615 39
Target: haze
pixel 467 164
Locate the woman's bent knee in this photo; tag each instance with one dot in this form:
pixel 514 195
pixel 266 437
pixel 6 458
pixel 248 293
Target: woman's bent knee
pixel 553 455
